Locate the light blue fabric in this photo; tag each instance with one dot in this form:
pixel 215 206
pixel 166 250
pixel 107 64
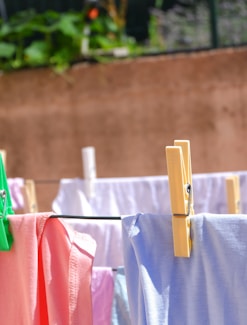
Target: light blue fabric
pixel 209 288
pixel 120 305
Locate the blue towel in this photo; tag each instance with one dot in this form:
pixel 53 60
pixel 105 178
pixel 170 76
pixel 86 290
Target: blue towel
pixel 209 288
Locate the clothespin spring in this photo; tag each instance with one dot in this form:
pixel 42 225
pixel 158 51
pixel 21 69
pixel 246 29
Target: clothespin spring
pixel 3 197
pixel 189 191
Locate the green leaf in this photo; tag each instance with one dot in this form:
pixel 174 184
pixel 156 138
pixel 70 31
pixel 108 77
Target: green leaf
pixel 62 56
pixel 7 50
pixel 5 30
pixel 67 25
pixel 37 53
pixel 111 26
pixel 102 42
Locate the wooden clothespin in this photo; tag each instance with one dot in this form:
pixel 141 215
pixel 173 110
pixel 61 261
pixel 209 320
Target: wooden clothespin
pixel 178 159
pixel 29 196
pixel 233 194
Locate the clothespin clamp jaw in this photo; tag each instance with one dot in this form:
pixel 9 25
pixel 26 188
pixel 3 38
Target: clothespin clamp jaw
pixel 4 157
pixel 181 195
pixel 6 238
pixel 233 194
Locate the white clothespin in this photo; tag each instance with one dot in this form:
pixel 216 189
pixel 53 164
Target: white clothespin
pixel 233 194
pixel 178 159
pixel 4 157
pixel 89 170
pixel 29 196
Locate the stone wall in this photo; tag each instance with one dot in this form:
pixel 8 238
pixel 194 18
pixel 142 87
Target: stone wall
pixel 129 111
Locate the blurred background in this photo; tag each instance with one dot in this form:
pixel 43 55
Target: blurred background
pixel 126 77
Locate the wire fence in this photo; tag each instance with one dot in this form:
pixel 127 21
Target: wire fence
pixel 203 24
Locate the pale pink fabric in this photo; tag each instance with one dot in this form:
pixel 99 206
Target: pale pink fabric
pixel 46 276
pixel 15 187
pixel 102 295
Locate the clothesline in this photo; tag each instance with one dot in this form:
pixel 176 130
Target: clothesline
pixel 127 195
pixel 86 217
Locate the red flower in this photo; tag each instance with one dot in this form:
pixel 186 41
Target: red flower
pixel 93 13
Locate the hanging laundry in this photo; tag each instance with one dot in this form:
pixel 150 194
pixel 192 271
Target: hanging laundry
pixel 120 304
pixel 108 236
pixel 149 194
pixel 210 287
pixel 15 186
pixel 102 294
pixel 46 276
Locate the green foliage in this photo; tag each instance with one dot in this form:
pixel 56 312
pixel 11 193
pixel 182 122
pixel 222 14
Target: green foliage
pixel 54 39
pixel 7 50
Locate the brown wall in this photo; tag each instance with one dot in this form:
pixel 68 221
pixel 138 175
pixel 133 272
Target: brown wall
pixel 129 111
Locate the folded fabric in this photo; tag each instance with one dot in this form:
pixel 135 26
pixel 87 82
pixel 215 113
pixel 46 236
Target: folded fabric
pixel 102 295
pixel 108 236
pixel 46 276
pixel 210 287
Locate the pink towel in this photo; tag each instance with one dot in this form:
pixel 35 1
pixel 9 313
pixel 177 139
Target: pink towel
pixel 46 276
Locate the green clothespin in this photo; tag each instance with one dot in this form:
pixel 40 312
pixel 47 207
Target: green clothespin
pixel 6 238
